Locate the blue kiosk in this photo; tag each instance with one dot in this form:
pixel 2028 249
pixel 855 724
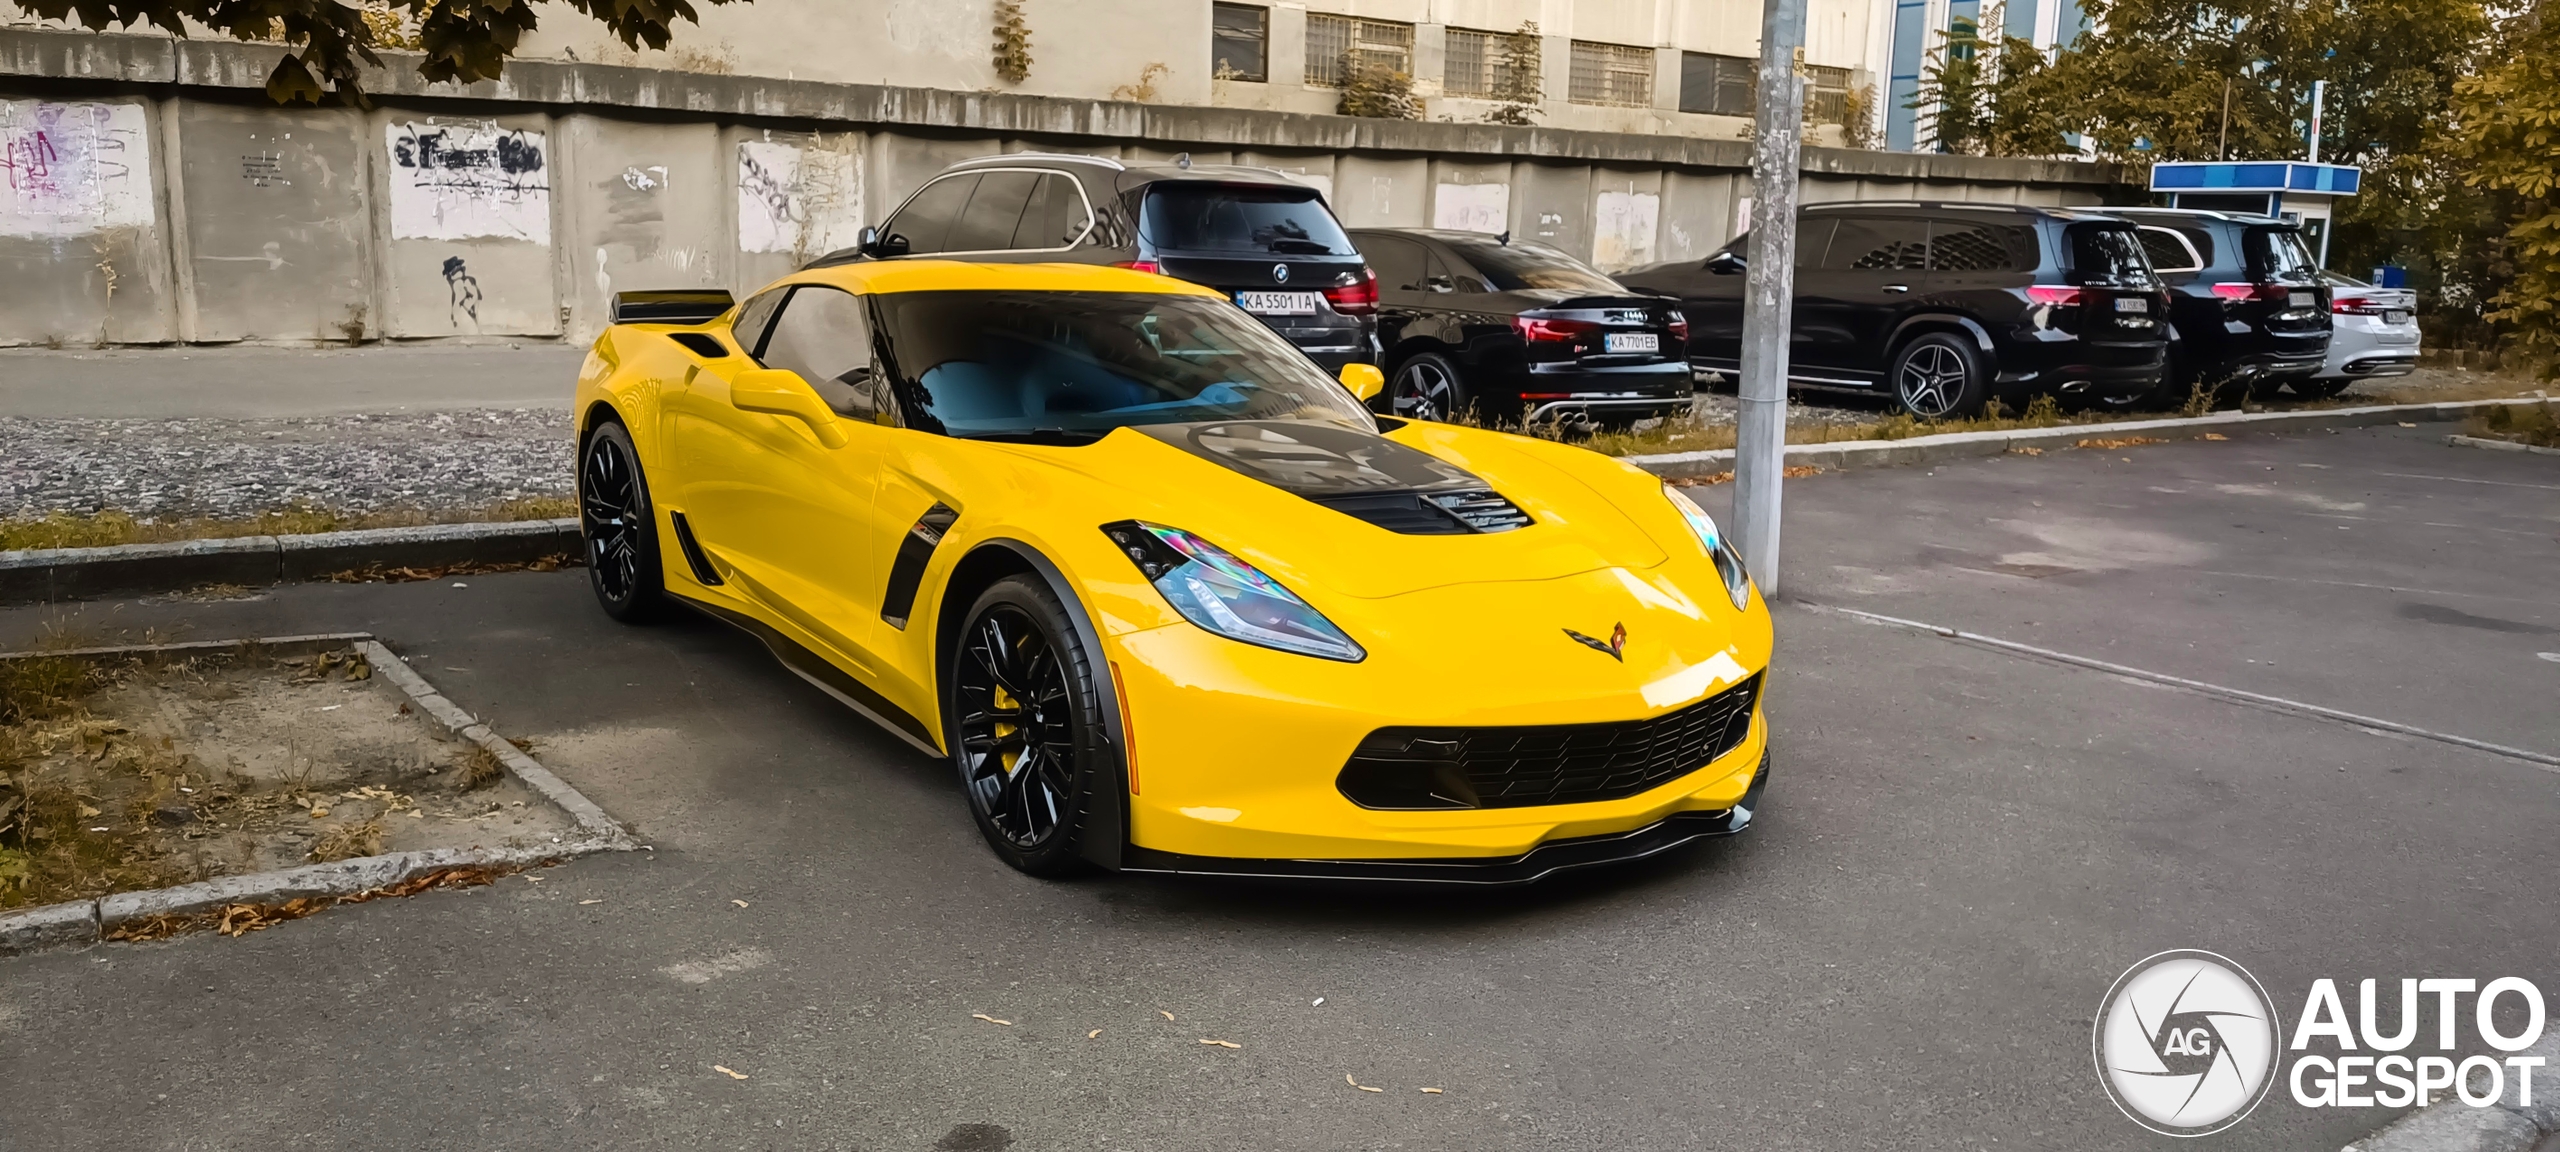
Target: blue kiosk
pixel 2286 189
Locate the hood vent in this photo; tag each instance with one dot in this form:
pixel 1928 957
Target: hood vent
pixel 1431 513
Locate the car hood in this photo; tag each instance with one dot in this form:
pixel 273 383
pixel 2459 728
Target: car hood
pixel 1260 489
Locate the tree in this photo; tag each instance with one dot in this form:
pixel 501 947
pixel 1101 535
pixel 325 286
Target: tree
pixel 1954 95
pixel 1519 81
pixel 464 40
pixel 2150 82
pixel 2507 130
pixel 1376 90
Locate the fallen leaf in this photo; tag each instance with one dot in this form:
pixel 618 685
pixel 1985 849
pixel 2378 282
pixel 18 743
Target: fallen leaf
pixel 331 707
pixel 583 903
pixel 990 1019
pixel 1223 1043
pixel 724 1070
pixel 2406 424
pixel 1433 1092
pixel 2215 436
pixel 87 811
pixel 1165 1014
pixel 2025 450
pixel 1366 1088
pixel 739 903
pixel 317 812
pixel 1318 1004
pixel 1346 1078
pixel 1092 1034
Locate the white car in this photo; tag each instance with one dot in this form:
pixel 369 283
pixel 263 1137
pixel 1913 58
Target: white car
pixel 2375 331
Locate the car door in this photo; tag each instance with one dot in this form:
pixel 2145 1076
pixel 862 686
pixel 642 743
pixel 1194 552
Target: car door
pixel 791 517
pixel 1874 273
pixel 1404 292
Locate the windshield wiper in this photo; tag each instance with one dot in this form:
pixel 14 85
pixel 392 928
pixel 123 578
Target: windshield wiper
pixel 1062 437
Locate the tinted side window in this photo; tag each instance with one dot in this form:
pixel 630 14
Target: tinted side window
pixel 994 212
pixel 925 223
pixel 2108 254
pixel 2279 254
pixel 1969 246
pixel 1879 244
pixel 1398 262
pixel 1813 241
pixel 748 329
pixel 825 336
pixel 1056 216
pixel 2167 251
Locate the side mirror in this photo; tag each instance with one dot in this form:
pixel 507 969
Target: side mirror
pixel 781 392
pixel 1725 263
pixel 867 241
pixel 1364 381
pixel 1440 284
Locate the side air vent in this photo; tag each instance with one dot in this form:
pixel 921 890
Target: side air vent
pixel 700 345
pixel 1459 513
pixel 679 306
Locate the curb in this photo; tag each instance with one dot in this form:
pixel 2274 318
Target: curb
pixel 79 923
pixel 2452 1126
pixel 2499 445
pixel 1972 445
pixel 46 575
pixel 277 645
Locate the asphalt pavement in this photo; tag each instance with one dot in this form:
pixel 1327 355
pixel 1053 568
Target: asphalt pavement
pixel 1961 850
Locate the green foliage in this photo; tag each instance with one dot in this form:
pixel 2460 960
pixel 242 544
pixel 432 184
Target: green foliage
pixel 2507 134
pixel 1954 98
pixel 1519 83
pixel 1013 43
pixel 464 40
pixel 1377 91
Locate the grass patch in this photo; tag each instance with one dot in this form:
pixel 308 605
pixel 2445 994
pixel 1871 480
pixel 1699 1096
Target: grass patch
pixel 103 529
pixel 2524 425
pixel 1688 434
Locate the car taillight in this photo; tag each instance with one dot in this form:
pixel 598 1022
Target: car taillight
pixel 1355 298
pixel 2242 290
pixel 1540 330
pixel 1149 267
pixel 1679 326
pixel 2356 306
pixel 2054 295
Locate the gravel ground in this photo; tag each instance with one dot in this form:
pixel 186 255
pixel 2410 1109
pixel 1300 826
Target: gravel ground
pixel 225 468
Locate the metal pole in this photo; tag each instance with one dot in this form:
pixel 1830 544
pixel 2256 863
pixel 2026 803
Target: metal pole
pixel 1768 290
pixel 2319 92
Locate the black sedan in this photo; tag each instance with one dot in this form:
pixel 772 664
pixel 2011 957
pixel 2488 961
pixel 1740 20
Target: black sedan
pixel 1510 331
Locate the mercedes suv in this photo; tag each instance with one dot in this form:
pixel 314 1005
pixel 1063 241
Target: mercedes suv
pixel 2248 300
pixel 1266 241
pixel 1946 306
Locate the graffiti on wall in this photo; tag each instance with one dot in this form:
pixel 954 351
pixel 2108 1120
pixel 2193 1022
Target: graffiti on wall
pixel 468 180
pixel 1622 228
pixel 73 168
pixel 1472 207
pixel 801 200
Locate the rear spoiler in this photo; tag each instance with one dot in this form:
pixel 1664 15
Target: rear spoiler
pixel 677 306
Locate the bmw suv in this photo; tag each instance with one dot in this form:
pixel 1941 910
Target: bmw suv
pixel 1946 306
pixel 1267 241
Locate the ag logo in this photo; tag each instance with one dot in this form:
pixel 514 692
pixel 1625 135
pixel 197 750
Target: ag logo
pixel 2186 1043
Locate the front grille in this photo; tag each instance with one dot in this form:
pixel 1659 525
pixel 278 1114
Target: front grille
pixel 1520 767
pixel 1432 513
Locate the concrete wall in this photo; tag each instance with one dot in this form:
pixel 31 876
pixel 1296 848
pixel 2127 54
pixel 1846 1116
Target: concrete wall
pixel 154 195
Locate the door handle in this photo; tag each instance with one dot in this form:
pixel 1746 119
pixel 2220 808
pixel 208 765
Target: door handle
pixel 1897 287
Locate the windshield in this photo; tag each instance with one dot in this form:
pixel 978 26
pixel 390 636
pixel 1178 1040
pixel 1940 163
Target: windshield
pixel 2280 255
pixel 1230 218
pixel 2109 256
pixel 1068 367
pixel 1519 266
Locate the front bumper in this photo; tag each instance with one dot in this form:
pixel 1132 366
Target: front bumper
pixel 1484 871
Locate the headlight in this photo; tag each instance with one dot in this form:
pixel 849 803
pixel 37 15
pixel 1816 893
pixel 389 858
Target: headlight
pixel 1737 583
pixel 1226 595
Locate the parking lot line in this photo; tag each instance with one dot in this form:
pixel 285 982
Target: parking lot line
pixel 2544 761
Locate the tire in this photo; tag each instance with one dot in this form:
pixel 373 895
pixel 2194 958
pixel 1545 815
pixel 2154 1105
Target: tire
pixel 2321 388
pixel 1938 376
pixel 620 527
pixel 1427 386
pixel 1026 727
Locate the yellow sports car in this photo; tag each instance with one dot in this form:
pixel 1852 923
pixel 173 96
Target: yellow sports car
pixel 1168 597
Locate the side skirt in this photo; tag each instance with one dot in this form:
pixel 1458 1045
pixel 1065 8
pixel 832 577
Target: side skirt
pixel 833 681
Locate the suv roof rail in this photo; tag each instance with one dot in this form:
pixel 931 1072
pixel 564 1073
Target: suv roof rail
pixel 1077 157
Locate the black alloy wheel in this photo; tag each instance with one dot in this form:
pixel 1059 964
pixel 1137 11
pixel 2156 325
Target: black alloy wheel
pixel 1428 387
pixel 1024 726
pixel 621 530
pixel 1937 376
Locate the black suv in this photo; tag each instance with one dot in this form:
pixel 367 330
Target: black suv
pixel 1265 240
pixel 2246 298
pixel 1518 331
pixel 1946 306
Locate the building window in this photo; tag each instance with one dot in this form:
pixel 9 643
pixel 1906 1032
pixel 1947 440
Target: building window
pixel 1616 74
pixel 1718 85
pixel 1239 42
pixel 1826 94
pixel 1471 64
pixel 1336 44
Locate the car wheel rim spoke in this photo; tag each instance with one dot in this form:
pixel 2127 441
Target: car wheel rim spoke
pixel 1015 736
pixel 609 510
